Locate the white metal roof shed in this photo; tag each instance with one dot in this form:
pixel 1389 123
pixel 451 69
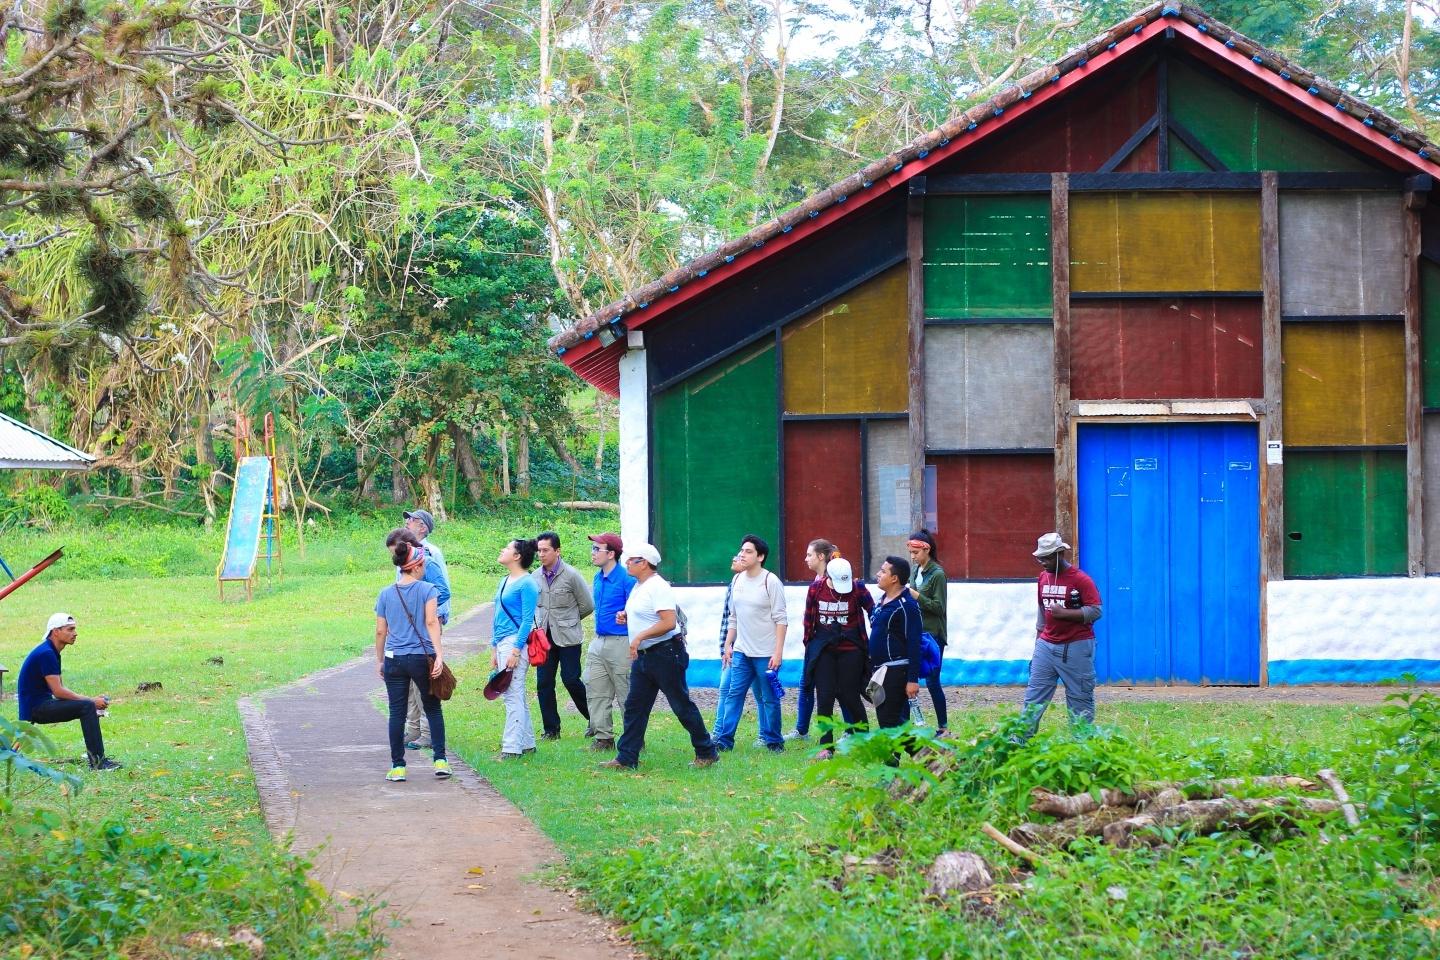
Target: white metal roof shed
pixel 25 448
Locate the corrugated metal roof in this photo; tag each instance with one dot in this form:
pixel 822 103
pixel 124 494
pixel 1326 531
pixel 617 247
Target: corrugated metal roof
pixel 25 448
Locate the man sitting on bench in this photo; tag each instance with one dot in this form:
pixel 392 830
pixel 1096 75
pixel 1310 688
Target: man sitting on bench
pixel 45 699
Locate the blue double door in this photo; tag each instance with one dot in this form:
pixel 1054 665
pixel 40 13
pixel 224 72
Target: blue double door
pixel 1170 530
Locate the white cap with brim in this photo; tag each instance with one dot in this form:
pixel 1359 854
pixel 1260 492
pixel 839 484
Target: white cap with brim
pixel 56 621
pixel 841 577
pixel 644 551
pixel 1049 545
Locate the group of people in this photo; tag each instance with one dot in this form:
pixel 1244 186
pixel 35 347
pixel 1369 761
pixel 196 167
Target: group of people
pixel 858 649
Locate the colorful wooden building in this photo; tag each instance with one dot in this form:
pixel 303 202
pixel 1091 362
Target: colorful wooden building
pixel 1172 295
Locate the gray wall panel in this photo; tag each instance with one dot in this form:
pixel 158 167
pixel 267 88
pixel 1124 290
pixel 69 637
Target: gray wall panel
pixel 989 386
pixel 1342 253
pixel 887 490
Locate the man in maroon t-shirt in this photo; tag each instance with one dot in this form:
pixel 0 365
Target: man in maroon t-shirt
pixel 1067 604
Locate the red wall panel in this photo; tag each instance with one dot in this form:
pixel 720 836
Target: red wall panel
pixel 822 492
pixel 1076 134
pixel 990 510
pixel 1206 348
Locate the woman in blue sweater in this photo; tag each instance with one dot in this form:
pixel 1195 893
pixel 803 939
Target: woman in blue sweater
pixel 515 601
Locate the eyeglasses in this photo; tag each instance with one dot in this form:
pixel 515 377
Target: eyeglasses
pixel 630 560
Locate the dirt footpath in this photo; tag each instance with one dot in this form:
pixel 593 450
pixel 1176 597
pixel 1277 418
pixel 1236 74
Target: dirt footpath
pixel 452 858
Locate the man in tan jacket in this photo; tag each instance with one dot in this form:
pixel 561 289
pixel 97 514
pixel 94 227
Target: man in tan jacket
pixel 564 601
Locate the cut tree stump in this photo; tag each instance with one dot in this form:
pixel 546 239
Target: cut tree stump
pixel 960 871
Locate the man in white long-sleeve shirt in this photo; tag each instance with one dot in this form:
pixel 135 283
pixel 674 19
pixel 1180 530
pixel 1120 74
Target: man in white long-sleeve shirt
pixel 754 643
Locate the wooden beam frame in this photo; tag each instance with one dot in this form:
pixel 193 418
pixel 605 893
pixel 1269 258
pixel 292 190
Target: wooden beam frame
pixel 915 300
pixel 1065 493
pixel 982 183
pixel 1414 396
pixel 1272 424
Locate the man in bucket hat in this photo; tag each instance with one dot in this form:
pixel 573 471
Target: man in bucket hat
pixel 1068 603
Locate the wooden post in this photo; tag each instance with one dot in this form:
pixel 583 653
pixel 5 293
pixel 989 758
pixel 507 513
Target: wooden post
pixel 1414 423
pixel 1272 423
pixel 915 251
pixel 1272 420
pixel 1065 494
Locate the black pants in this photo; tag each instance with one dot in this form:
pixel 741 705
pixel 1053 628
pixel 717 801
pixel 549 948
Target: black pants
pixel 566 661
pixel 894 709
pixel 63 711
pixel 661 669
pixel 937 697
pixel 400 671
pixel 840 675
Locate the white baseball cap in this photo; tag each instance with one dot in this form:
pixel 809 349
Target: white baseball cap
pixel 644 551
pixel 841 578
pixel 1049 545
pixel 56 621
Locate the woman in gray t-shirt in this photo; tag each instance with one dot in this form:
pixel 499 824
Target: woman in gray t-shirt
pixel 407 637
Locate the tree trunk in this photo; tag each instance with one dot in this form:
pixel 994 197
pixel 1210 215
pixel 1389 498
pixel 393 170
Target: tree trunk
pixel 399 483
pixel 469 466
pixel 504 438
pixel 522 458
pixel 429 482
pixel 599 434
pixel 366 460
pixel 557 443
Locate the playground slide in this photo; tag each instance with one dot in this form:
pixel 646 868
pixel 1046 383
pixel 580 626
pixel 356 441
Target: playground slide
pixel 247 510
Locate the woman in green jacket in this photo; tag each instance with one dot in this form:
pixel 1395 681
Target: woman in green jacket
pixel 928 586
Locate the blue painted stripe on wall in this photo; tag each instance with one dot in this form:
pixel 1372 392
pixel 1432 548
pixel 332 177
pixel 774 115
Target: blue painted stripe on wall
pixel 953 673
pixel 1351 671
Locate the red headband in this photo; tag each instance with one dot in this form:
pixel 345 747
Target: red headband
pixel 417 557
pixel 918 544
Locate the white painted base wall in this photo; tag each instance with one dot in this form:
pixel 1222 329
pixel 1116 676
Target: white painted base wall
pixel 1320 631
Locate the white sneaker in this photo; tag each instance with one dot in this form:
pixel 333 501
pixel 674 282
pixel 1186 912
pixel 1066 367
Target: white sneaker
pixel 797 735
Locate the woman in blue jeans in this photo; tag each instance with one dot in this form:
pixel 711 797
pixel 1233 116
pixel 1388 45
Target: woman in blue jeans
pixel 407 650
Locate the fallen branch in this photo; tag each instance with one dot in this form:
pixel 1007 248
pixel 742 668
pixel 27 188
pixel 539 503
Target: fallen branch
pixel 1328 777
pixel 1205 816
pixel 1024 853
pixel 1059 805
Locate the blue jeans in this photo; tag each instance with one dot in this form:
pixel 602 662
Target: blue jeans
pixel 746 673
pixel 722 691
pixel 656 670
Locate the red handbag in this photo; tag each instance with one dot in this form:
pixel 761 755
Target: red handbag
pixel 538 647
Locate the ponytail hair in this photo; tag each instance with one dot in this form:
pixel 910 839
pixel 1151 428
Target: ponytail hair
pixel 825 550
pixel 399 542
pixel 525 550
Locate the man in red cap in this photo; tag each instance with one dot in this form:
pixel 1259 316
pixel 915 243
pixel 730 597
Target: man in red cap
pixel 607 665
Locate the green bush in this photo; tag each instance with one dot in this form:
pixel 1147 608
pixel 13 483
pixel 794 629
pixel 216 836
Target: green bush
pixel 82 890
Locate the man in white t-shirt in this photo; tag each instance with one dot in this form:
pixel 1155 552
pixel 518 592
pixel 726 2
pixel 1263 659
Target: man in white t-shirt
pixel 658 662
pixel 755 644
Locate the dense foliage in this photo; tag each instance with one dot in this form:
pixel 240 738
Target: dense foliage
pixel 366 219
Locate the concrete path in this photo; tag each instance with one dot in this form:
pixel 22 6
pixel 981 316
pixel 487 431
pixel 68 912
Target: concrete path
pixel 451 858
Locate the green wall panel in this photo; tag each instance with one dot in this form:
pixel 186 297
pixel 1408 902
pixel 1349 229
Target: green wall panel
pixel 1348 508
pixel 1183 158
pixel 1430 331
pixel 1246 134
pixel 987 257
pixel 715 466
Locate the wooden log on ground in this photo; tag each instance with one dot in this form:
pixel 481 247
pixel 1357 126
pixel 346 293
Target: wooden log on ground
pixel 1332 781
pixel 960 871
pixel 1205 816
pixel 1059 805
pixel 1062 832
pixel 1020 850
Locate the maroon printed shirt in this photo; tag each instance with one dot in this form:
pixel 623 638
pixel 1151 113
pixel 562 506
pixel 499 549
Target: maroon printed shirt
pixel 844 614
pixel 1053 589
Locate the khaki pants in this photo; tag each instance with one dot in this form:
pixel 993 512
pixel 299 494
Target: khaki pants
pixel 417 728
pixel 607 680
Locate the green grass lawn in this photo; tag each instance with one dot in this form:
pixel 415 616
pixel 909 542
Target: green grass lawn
pixel 148 610
pixel 747 859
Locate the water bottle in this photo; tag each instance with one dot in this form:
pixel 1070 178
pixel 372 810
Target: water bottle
pixel 917 716
pixel 776 687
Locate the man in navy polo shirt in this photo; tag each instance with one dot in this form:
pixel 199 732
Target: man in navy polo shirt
pixel 44 698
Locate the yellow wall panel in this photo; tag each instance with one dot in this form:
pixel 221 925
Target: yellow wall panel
pixel 1344 383
pixel 850 355
pixel 1164 242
